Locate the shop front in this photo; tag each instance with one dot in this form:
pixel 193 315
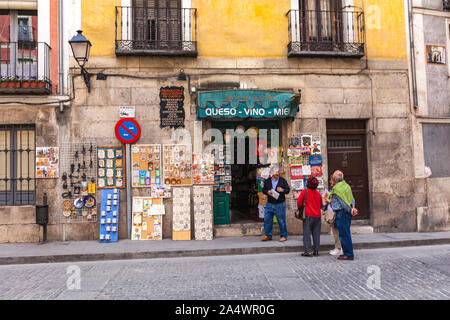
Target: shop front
pixel 248 126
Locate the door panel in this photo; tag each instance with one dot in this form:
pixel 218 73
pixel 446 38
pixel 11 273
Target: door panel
pixel 347 152
pixel 221 201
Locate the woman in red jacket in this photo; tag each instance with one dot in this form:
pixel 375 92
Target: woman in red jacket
pixel 313 221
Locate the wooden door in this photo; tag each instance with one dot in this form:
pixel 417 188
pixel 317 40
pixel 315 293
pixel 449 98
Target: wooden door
pixel 347 152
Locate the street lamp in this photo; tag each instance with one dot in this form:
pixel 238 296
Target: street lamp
pixel 81 48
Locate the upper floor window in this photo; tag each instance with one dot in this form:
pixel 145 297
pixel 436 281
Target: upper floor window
pixel 24 62
pixel 156 27
pixel 325 27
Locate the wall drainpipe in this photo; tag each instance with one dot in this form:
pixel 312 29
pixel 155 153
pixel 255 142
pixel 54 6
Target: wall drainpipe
pixel 413 54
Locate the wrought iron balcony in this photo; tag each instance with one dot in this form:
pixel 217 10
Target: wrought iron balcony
pixel 326 33
pixel 446 4
pixel 156 31
pixel 25 68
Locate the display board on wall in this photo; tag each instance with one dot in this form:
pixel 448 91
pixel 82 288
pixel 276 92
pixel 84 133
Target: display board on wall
pixel 172 112
pixel 181 229
pixel 47 162
pixel 203 168
pixel 110 167
pixel 146 165
pixel 203 218
pixel 177 164
pixel 147 218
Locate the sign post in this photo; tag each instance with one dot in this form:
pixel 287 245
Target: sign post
pixel 128 131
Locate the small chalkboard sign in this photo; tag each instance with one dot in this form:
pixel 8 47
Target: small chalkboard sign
pixel 172 112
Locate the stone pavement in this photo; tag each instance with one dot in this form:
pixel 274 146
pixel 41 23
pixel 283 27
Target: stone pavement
pixel 127 249
pixel 421 272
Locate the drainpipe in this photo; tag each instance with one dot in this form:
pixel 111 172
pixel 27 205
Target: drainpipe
pixel 413 54
pixel 61 50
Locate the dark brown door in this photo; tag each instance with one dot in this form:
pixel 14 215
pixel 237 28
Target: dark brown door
pixel 347 152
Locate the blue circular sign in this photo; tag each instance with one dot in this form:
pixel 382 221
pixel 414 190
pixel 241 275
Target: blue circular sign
pixel 128 130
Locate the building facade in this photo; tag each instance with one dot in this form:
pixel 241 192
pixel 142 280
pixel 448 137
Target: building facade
pixel 343 66
pixel 430 87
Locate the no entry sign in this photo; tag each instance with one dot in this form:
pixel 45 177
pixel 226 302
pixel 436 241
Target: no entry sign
pixel 128 130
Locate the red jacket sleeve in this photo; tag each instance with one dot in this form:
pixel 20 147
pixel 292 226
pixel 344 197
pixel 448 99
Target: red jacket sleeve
pixel 300 199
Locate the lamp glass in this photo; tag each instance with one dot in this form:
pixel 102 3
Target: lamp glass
pixel 80 51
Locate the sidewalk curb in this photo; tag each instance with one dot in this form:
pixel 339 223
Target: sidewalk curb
pixel 208 252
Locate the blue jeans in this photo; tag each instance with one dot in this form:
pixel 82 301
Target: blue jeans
pixel 343 223
pixel 279 210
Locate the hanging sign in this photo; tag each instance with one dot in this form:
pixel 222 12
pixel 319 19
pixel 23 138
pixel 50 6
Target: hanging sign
pixel 128 130
pixel 247 104
pixel 172 107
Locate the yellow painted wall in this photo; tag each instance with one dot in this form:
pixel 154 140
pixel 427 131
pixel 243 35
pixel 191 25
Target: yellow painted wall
pixel 98 25
pixel 252 28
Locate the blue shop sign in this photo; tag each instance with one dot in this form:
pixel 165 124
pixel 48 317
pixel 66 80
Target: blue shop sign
pixel 247 104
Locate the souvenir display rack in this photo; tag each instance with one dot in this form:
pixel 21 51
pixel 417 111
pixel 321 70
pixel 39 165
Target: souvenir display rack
pixel 181 229
pixel 146 165
pixel 177 164
pixel 203 218
pixel 146 220
pixel 109 215
pixel 78 177
pixel 111 167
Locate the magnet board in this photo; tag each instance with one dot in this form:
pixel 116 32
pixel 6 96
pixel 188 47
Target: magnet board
pixel 177 164
pixel 146 165
pixel 47 162
pixel 109 215
pixel 147 218
pixel 110 167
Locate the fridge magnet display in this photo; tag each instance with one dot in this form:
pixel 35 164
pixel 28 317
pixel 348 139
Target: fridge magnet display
pixel 298 185
pixel 161 191
pixel 47 162
pixel 146 165
pixel 203 218
pixel 177 164
pixel 109 215
pixel 296 173
pixel 145 225
pixel 110 170
pixel 203 169
pixel 181 229
pixel 316 170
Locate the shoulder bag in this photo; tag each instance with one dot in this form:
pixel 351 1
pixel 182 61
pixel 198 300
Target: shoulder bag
pixel 300 213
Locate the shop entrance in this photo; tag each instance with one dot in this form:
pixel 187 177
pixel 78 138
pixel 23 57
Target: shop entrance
pixel 241 204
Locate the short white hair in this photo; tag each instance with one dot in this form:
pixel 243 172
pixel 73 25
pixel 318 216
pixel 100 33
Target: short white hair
pixel 338 176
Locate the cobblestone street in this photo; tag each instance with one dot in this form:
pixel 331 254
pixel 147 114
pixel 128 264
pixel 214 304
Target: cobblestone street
pixel 405 273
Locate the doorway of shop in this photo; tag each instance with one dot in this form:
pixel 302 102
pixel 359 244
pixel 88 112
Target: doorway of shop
pixel 347 152
pixel 241 204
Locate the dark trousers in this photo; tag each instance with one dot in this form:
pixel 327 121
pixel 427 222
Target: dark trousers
pixel 311 226
pixel 343 223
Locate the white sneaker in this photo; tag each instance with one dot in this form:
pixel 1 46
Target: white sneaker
pixel 336 252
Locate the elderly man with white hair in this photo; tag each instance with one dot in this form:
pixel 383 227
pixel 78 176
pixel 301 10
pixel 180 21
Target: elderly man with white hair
pixel 343 203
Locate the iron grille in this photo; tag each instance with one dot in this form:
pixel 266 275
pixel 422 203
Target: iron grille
pixel 446 4
pixel 353 143
pixel 156 30
pixel 17 165
pixel 25 67
pixel 326 33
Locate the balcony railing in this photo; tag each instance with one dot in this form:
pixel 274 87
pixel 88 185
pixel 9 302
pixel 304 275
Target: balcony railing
pixel 446 4
pixel 25 67
pixel 156 31
pixel 326 33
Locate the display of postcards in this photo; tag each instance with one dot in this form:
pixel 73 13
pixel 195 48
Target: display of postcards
pixel 315 147
pixel 294 152
pixel 111 154
pixel 296 173
pixel 305 151
pixel 145 158
pixel 298 184
pixel 315 160
pixel 47 162
pixel 161 191
pixel 306 140
pixel 306 170
pixel 222 179
pixel 316 170
pixel 180 157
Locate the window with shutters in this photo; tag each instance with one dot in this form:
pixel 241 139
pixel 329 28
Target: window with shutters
pixel 156 27
pixel 326 27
